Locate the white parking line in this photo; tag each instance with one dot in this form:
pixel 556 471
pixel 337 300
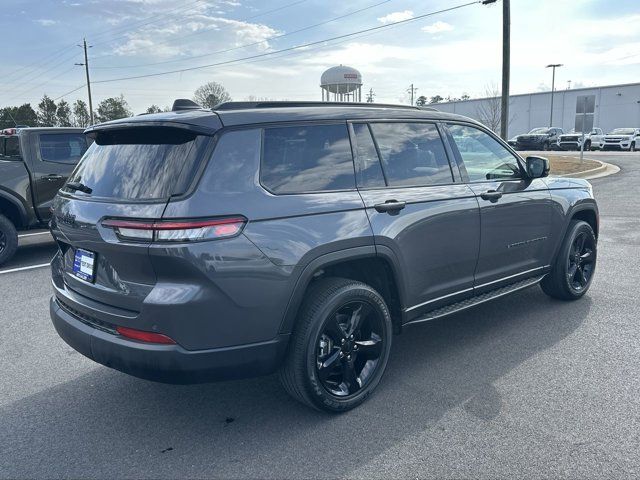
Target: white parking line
pixel 33 234
pixel 30 267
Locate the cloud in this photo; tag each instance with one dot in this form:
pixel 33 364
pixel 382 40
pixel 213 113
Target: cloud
pixel 437 27
pixel 46 22
pixel 396 17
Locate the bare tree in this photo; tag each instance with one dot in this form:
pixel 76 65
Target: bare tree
pixel 489 110
pixel 211 94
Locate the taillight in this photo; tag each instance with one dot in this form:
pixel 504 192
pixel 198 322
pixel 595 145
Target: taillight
pixel 143 336
pixel 176 230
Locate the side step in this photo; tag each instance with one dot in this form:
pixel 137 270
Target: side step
pixel 477 300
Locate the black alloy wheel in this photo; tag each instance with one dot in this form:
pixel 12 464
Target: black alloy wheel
pixel 573 269
pixel 581 261
pixel 340 345
pixel 349 348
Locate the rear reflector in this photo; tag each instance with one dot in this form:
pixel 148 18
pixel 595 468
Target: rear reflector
pixel 143 336
pixel 176 230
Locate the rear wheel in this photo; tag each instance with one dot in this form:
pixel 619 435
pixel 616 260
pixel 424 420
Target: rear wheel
pixel 8 239
pixel 340 346
pixel 573 269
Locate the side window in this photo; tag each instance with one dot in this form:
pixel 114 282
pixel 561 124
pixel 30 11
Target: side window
pixel 62 147
pixel 311 158
pixel 369 170
pixel 412 154
pixel 12 147
pixel 483 156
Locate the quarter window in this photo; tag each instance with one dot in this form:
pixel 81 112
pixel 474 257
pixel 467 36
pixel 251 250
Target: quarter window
pixel 412 154
pixel 311 158
pixel 483 156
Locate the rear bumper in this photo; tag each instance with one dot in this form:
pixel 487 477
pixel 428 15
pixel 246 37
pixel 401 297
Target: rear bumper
pixel 167 363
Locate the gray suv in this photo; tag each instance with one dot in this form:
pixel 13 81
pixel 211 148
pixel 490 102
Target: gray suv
pixel 198 245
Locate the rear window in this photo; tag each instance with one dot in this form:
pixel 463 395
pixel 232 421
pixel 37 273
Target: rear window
pixel 148 163
pixel 9 146
pixel 310 158
pixel 62 147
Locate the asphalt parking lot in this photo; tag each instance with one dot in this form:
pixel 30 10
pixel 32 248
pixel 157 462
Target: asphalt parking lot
pixel 522 387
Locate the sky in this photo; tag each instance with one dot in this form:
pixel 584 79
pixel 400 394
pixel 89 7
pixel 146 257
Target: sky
pixel 449 54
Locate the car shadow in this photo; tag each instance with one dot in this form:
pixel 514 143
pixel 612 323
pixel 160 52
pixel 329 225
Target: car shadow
pixel 107 424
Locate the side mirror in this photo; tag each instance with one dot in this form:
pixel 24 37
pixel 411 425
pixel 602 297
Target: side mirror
pixel 537 167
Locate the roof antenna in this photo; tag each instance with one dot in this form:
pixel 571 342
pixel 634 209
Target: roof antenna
pixel 184 104
pixel 15 124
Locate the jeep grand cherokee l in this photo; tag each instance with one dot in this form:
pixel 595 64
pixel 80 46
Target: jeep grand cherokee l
pixel 197 245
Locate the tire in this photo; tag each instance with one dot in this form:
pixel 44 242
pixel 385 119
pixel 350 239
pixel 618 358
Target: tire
pixel 632 148
pixel 328 314
pixel 545 146
pixel 587 145
pixel 8 239
pixel 573 269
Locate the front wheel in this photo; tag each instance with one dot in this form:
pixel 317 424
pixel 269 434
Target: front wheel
pixel 546 146
pixel 8 239
pixel 632 148
pixel 340 347
pixel 573 268
pixel 587 145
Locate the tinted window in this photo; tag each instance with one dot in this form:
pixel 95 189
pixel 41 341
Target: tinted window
pixel 141 163
pixel 307 159
pixel 369 169
pixel 483 156
pixel 412 154
pixel 62 147
pixel 11 147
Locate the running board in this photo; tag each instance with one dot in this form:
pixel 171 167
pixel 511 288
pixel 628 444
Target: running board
pixel 477 300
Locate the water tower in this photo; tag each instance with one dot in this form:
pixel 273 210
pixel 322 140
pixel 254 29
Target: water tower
pixel 345 83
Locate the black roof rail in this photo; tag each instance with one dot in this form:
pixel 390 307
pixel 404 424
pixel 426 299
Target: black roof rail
pixel 184 104
pixel 280 104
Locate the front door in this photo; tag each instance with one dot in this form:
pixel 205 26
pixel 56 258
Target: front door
pixel 418 210
pixel 54 156
pixel 515 211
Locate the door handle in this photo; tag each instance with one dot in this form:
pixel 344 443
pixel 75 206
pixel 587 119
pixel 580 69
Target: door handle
pixel 390 206
pixel 53 177
pixel 491 195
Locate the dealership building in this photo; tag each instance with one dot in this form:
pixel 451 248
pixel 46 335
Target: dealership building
pixel 608 107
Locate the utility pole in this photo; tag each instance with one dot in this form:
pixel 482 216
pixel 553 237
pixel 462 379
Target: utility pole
pixel 506 65
pixel 370 96
pixel 86 69
pixel 412 91
pixel 553 66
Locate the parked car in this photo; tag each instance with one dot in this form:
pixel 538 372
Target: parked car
pixel 622 139
pixel 34 164
pixel 297 237
pixel 513 141
pixel 544 138
pixel 573 141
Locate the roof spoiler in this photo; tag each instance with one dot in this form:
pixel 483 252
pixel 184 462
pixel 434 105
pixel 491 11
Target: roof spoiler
pixel 184 104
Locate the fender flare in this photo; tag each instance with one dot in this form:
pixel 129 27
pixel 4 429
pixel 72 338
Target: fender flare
pixel 13 200
pixel 581 206
pixel 306 273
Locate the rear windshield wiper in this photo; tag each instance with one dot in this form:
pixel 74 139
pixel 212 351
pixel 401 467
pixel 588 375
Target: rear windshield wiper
pixel 79 187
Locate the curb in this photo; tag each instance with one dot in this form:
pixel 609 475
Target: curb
pixel 603 170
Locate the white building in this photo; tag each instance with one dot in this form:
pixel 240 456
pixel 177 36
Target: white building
pixel 608 107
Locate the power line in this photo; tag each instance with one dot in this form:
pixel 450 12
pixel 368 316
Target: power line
pixel 297 47
pixel 70 92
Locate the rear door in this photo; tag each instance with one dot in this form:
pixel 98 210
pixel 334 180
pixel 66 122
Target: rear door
pixel 515 211
pixel 53 155
pixel 418 211
pixel 129 174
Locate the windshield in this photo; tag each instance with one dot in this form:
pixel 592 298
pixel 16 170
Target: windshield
pixel 148 163
pixel 540 130
pixel 623 131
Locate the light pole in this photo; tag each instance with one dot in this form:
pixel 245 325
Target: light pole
pixel 553 87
